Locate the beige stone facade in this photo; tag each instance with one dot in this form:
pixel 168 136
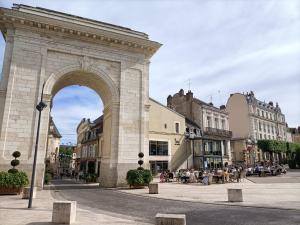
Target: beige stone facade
pixel 295 134
pixel 167 145
pixel 213 149
pixel 54 137
pixel 250 120
pixel 89 145
pixel 58 50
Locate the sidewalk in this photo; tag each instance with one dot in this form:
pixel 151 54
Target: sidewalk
pixel 14 211
pixel 277 195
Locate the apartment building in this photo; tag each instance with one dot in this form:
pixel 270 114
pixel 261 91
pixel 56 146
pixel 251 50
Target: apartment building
pixel 250 120
pixel 213 148
pixel 168 149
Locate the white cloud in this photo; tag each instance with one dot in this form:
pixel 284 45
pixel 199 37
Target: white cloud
pixel 226 46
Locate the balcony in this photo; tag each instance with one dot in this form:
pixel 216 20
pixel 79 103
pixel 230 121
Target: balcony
pixel 209 131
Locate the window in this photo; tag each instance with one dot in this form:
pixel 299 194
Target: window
pixel 265 136
pixel 259 124
pixel 158 166
pixel 208 121
pixel 263 113
pixel 260 136
pixel 177 128
pixel 223 124
pixel 158 148
pixel 268 128
pixel 258 112
pixel 267 115
pixel 166 126
pixel 255 124
pixel 217 123
pixel 264 127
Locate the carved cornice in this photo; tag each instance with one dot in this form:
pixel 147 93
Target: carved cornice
pixel 121 37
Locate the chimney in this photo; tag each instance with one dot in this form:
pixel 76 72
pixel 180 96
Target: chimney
pixel 181 92
pixel 169 101
pixel 222 107
pixel 189 95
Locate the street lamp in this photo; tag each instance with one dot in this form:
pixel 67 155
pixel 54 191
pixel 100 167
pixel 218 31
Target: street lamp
pixel 40 108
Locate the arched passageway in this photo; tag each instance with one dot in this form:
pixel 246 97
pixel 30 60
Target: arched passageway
pixel 44 46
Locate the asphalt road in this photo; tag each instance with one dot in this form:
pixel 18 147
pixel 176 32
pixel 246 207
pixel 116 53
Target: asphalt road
pixel 113 201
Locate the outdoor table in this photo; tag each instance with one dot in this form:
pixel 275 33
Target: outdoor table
pixel 218 177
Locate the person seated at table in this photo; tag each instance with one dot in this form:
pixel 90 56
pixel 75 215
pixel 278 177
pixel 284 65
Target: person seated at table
pixel 186 176
pixel 162 177
pixel 170 176
pixel 192 178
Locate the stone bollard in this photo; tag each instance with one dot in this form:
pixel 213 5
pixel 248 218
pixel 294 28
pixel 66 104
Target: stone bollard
pixel 170 219
pixel 153 188
pixel 235 195
pixel 64 212
pixel 26 193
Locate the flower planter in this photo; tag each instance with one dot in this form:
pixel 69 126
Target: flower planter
pixel 137 186
pixel 10 190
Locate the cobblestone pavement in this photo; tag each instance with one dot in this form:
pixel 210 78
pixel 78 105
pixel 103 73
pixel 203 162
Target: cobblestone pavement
pixel 145 208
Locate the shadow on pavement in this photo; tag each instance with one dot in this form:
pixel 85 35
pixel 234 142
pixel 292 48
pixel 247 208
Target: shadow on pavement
pixel 40 223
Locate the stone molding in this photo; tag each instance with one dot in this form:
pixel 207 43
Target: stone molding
pixel 29 20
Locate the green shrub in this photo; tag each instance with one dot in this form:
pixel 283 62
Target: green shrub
pixel 13 180
pixel 48 178
pixel 15 162
pixel 13 170
pixel 90 177
pixel 139 177
pixel 147 176
pixel 292 164
pixel 16 154
pixel 135 178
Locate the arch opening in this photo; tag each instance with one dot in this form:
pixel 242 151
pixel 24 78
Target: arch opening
pixel 103 147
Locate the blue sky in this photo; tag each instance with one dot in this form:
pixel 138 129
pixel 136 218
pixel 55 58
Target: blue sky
pixel 221 46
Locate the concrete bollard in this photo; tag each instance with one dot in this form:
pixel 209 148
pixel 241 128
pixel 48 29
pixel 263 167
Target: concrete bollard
pixel 26 193
pixel 64 212
pixel 153 188
pixel 235 195
pixel 170 219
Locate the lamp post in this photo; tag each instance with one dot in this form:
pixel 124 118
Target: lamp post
pixel 40 108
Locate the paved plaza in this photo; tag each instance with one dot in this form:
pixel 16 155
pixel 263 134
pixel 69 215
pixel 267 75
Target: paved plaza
pixel 264 204
pixel 271 192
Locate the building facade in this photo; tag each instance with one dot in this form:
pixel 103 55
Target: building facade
pixel 213 149
pixel 53 143
pixel 250 120
pixel 91 146
pixel 167 145
pixel 295 134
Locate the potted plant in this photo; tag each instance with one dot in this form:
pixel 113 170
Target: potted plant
pixel 138 178
pixel 13 181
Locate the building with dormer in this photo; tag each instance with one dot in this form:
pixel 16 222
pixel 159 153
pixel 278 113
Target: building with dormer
pixel 213 149
pixel 250 120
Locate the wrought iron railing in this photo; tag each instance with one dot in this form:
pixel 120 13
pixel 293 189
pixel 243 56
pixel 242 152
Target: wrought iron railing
pixel 217 132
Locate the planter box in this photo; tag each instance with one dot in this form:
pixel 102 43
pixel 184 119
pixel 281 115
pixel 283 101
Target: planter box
pixel 10 191
pixel 136 186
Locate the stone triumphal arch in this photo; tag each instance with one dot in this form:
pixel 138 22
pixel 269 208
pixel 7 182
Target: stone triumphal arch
pixel 58 50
